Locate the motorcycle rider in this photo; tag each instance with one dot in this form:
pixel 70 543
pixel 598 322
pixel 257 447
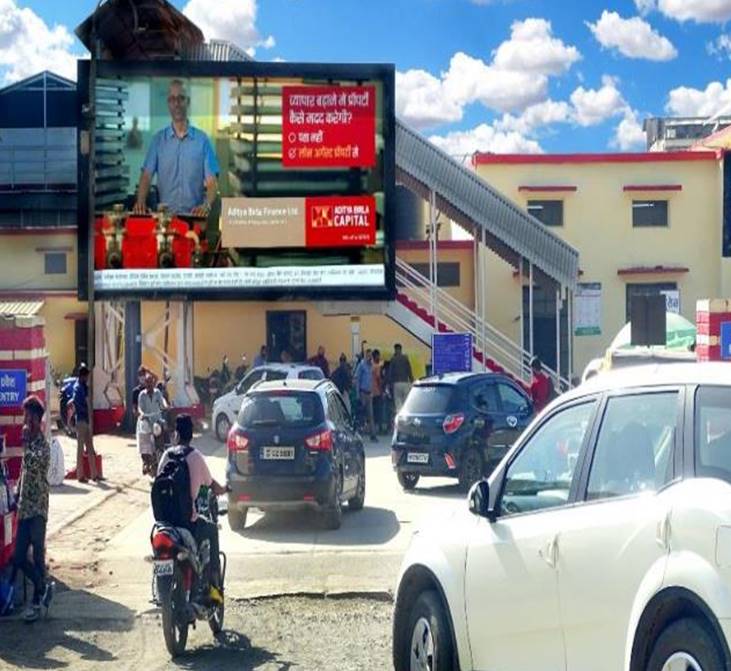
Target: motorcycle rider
pixel 201 482
pixel 150 406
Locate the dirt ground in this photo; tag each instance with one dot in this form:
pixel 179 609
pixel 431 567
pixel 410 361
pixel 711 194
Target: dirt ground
pixel 275 634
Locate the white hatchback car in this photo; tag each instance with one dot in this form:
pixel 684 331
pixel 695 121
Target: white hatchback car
pixel 602 542
pixel 226 407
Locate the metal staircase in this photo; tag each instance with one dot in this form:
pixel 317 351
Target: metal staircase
pixel 493 350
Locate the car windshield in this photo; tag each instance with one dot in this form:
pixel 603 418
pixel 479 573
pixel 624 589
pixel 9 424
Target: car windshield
pixel 429 399
pixel 287 409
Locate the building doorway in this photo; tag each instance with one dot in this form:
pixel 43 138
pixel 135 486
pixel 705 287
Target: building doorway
pixel 287 330
pixel 544 326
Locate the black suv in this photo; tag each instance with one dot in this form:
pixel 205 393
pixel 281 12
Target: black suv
pixel 293 446
pixel 458 425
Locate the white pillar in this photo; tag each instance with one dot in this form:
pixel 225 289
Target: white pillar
pixel 558 337
pixel 530 306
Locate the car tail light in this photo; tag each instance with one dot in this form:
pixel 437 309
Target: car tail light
pixel 237 441
pixel 452 422
pixel 451 463
pixel 163 546
pixel 320 441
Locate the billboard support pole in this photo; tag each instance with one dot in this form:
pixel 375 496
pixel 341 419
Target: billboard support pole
pixel 91 120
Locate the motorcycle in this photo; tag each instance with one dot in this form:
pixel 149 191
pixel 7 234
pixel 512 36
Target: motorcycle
pixel 67 418
pixel 180 584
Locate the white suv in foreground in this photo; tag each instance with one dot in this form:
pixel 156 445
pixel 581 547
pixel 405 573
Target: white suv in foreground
pixel 601 543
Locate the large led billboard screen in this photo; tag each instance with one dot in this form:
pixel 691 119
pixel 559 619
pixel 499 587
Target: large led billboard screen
pixel 213 180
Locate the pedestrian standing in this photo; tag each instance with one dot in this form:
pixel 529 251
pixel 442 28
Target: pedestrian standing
pixel 320 361
pixel 364 387
pixel 33 510
pixel 261 358
pixel 84 439
pixel 541 388
pixel 343 379
pixel 400 376
pixel 377 393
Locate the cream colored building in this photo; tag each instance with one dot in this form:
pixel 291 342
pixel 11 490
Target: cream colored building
pixel 642 223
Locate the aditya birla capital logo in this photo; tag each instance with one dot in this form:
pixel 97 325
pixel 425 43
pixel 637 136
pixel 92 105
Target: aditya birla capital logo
pixel 341 216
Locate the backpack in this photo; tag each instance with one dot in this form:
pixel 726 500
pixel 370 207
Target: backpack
pixel 170 494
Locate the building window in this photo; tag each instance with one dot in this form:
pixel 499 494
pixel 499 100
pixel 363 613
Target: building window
pixel 649 213
pixel 652 289
pixel 55 263
pixel 448 274
pixel 550 212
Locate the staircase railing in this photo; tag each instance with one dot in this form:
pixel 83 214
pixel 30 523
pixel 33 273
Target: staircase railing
pixel 456 316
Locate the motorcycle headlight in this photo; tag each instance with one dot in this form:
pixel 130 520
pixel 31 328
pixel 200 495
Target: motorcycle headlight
pixel 157 430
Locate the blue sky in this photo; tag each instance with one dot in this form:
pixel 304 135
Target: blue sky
pixel 493 75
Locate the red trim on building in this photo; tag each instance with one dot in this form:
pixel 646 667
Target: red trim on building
pixel 547 189
pixel 39 231
pixel 414 245
pixel 77 316
pixel 656 270
pixel 653 187
pixel 632 157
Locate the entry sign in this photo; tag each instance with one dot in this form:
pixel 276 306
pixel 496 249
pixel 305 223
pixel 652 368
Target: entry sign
pixel 451 353
pixel 726 340
pixel 12 388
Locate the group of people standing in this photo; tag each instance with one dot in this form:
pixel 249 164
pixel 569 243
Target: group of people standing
pixel 376 389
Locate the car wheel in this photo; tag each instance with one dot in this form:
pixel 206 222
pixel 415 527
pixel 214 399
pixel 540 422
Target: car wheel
pixel 471 469
pixel 332 516
pixel 686 645
pixel 426 644
pixel 223 426
pixel 237 518
pixel 356 503
pixel 408 480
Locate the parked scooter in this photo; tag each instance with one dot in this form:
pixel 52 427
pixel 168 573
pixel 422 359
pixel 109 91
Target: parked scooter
pixel 67 417
pixel 181 586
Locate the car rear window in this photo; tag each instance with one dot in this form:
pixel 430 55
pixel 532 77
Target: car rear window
pixel 287 409
pixel 713 432
pixel 274 375
pixel 315 374
pixel 429 399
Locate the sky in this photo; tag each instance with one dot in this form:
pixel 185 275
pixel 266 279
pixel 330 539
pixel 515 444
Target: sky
pixel 523 76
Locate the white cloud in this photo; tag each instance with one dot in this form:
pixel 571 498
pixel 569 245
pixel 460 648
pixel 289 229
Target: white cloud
pixel 628 134
pixel 28 45
pixel 232 20
pixel 594 106
pixel 632 37
pixel 421 100
pixel 471 80
pixel 532 48
pixel 687 101
pixel 700 11
pixel 535 117
pixel 721 46
pixel 485 138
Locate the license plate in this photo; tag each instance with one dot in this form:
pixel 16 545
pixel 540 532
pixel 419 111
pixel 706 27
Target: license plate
pixel 163 567
pixel 277 453
pixel 417 458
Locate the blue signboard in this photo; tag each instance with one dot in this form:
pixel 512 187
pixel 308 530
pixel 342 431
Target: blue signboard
pixel 12 388
pixel 726 340
pixel 451 353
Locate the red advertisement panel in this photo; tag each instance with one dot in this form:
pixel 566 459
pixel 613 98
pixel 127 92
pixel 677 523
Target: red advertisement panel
pixel 340 221
pixel 329 126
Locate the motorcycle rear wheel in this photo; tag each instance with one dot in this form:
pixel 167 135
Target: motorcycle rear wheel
pixel 174 618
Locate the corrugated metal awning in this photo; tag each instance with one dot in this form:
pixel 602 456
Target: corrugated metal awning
pixel 21 308
pixel 467 199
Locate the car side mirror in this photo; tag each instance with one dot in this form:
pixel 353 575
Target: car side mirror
pixel 479 500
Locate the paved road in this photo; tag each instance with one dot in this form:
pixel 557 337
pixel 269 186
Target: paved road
pixel 289 553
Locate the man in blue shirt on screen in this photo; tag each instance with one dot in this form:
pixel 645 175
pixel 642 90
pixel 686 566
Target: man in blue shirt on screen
pixel 183 159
